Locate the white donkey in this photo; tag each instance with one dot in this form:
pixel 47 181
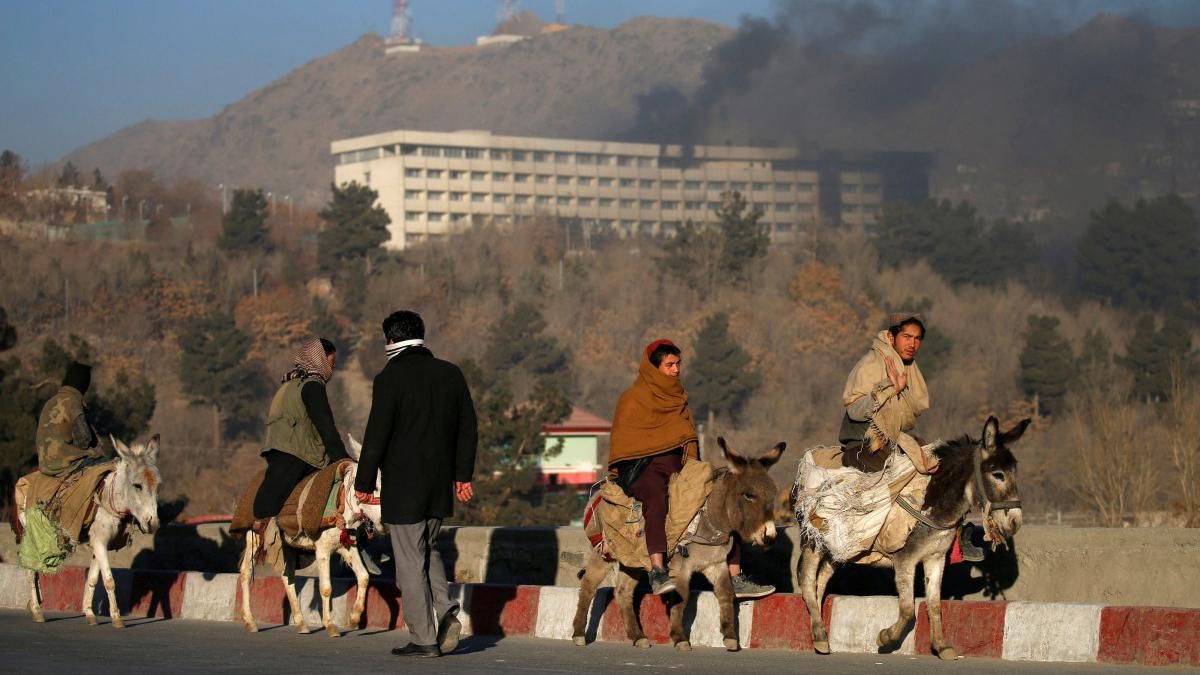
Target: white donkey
pixel 127 495
pixel 353 514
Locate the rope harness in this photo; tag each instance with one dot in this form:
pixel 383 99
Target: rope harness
pixel 991 529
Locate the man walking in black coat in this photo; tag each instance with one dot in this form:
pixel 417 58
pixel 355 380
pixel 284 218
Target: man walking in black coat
pixel 421 434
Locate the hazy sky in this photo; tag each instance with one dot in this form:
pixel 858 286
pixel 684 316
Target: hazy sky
pixel 72 72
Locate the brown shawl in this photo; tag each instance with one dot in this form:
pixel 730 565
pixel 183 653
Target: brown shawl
pixel 652 417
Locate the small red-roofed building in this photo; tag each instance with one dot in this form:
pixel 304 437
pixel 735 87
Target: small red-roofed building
pixel 578 464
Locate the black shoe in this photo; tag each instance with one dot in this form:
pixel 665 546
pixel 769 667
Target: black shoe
pixel 661 582
pixel 413 649
pixel 744 588
pixel 970 552
pixel 449 633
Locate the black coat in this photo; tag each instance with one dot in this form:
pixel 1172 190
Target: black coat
pixel 421 433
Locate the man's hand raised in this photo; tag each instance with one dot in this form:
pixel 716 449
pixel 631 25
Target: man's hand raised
pixel 896 376
pixel 463 492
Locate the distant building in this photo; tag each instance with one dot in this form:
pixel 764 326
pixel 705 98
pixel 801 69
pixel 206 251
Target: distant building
pixel 577 465
pixel 433 184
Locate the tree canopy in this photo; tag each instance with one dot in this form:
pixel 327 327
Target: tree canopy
pixel 244 228
pixel 356 225
pixel 719 378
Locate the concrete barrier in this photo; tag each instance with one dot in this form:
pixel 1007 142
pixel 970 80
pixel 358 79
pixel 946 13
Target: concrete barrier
pixel 1046 564
pixel 1014 631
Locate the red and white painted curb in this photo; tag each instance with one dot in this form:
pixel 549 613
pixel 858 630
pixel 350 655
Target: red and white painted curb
pixel 1026 631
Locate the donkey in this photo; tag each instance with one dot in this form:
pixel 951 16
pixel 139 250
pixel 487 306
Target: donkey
pixel 330 540
pixel 972 474
pixel 129 494
pixel 742 502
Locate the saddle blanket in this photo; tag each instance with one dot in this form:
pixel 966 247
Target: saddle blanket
pixel 69 500
pixel 311 506
pixel 851 514
pixel 615 524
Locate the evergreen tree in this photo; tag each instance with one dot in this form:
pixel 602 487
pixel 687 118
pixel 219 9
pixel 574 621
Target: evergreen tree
pixel 1144 256
pixel 1096 353
pixel 694 257
pixel 719 378
pixel 99 182
pixel 744 239
pixel 1046 363
pixel 1151 354
pixel 70 176
pixel 214 369
pixel 356 225
pixel 244 228
pixel 124 410
pixel 518 340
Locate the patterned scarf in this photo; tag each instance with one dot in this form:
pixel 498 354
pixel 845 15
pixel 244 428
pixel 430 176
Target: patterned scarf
pixel 309 360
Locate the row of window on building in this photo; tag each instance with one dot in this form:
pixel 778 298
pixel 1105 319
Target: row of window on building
pixel 500 154
pixel 665 227
pixel 590 202
pixel 640 183
pixel 437 216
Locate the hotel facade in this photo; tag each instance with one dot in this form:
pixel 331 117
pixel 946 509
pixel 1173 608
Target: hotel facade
pixel 434 184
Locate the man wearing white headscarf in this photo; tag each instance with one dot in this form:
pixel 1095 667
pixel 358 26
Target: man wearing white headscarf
pixel 302 436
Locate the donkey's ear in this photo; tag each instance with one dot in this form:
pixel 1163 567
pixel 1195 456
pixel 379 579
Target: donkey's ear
pixel 151 451
pixel 736 462
pixel 1014 434
pixel 122 450
pixel 991 433
pixel 354 449
pixel 768 460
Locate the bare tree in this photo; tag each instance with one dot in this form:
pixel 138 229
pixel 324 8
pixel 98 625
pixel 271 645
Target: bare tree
pixel 1110 457
pixel 1182 424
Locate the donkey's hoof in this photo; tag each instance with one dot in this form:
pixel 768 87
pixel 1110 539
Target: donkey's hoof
pixel 580 640
pixel 884 639
pixel 251 627
pixel 38 618
pixel 90 619
pixel 642 643
pixel 333 631
pixel 118 622
pixel 302 628
pixel 731 645
pixel 947 654
pixel 821 646
pixel 683 646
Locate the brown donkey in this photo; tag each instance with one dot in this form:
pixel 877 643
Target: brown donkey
pixel 742 501
pixel 971 475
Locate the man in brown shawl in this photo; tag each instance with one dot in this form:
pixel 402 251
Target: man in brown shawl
pixel 653 431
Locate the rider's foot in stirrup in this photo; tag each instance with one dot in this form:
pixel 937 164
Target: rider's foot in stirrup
pixel 661 582
pixel 744 588
pixel 970 552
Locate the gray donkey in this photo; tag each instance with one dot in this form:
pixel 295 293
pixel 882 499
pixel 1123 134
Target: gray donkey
pixel 971 474
pixel 743 501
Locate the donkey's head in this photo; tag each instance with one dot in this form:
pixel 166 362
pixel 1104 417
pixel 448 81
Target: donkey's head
pixel 135 487
pixel 998 470
pixel 748 498
pixel 354 507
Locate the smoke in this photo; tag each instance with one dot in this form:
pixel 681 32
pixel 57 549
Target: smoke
pixel 859 56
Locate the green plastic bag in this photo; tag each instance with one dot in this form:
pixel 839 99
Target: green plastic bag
pixel 44 548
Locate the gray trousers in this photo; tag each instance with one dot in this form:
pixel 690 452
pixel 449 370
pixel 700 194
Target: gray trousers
pixel 421 578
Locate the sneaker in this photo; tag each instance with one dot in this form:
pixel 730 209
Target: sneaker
pixel 743 588
pixel 413 649
pixel 449 633
pixel 661 582
pixel 970 552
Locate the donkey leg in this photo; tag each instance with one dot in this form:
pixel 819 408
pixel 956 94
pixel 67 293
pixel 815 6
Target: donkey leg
pixel 810 563
pixel 593 575
pixel 683 580
pixel 100 550
pixel 245 574
pixel 324 550
pixel 35 604
pixel 934 566
pixel 906 571
pixel 361 578
pixel 89 590
pixel 289 587
pixel 626 582
pixel 718 576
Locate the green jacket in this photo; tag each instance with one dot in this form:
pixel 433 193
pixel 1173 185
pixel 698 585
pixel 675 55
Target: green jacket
pixel 64 437
pixel 289 428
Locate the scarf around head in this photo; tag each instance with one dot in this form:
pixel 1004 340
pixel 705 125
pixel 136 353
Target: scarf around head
pixel 309 360
pixel 652 417
pixel 893 414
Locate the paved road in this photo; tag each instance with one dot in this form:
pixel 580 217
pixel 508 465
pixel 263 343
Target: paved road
pixel 65 644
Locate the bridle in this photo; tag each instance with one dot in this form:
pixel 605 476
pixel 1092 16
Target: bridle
pixel 991 529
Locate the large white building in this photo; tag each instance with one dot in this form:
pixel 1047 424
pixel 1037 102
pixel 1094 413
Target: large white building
pixel 433 184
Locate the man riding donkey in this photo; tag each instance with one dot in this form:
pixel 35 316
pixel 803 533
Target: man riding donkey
pixel 884 395
pixel 653 432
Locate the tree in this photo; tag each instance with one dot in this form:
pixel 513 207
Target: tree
pixel 1152 352
pixel 518 340
pixel 719 380
pixel 8 332
pixel 244 228
pixel 1141 257
pixel 214 369
pixel 126 409
pixel 70 177
pixel 694 257
pixel 1047 363
pixel 12 175
pixel 1096 352
pixel 744 239
pixel 99 182
pixel 357 225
